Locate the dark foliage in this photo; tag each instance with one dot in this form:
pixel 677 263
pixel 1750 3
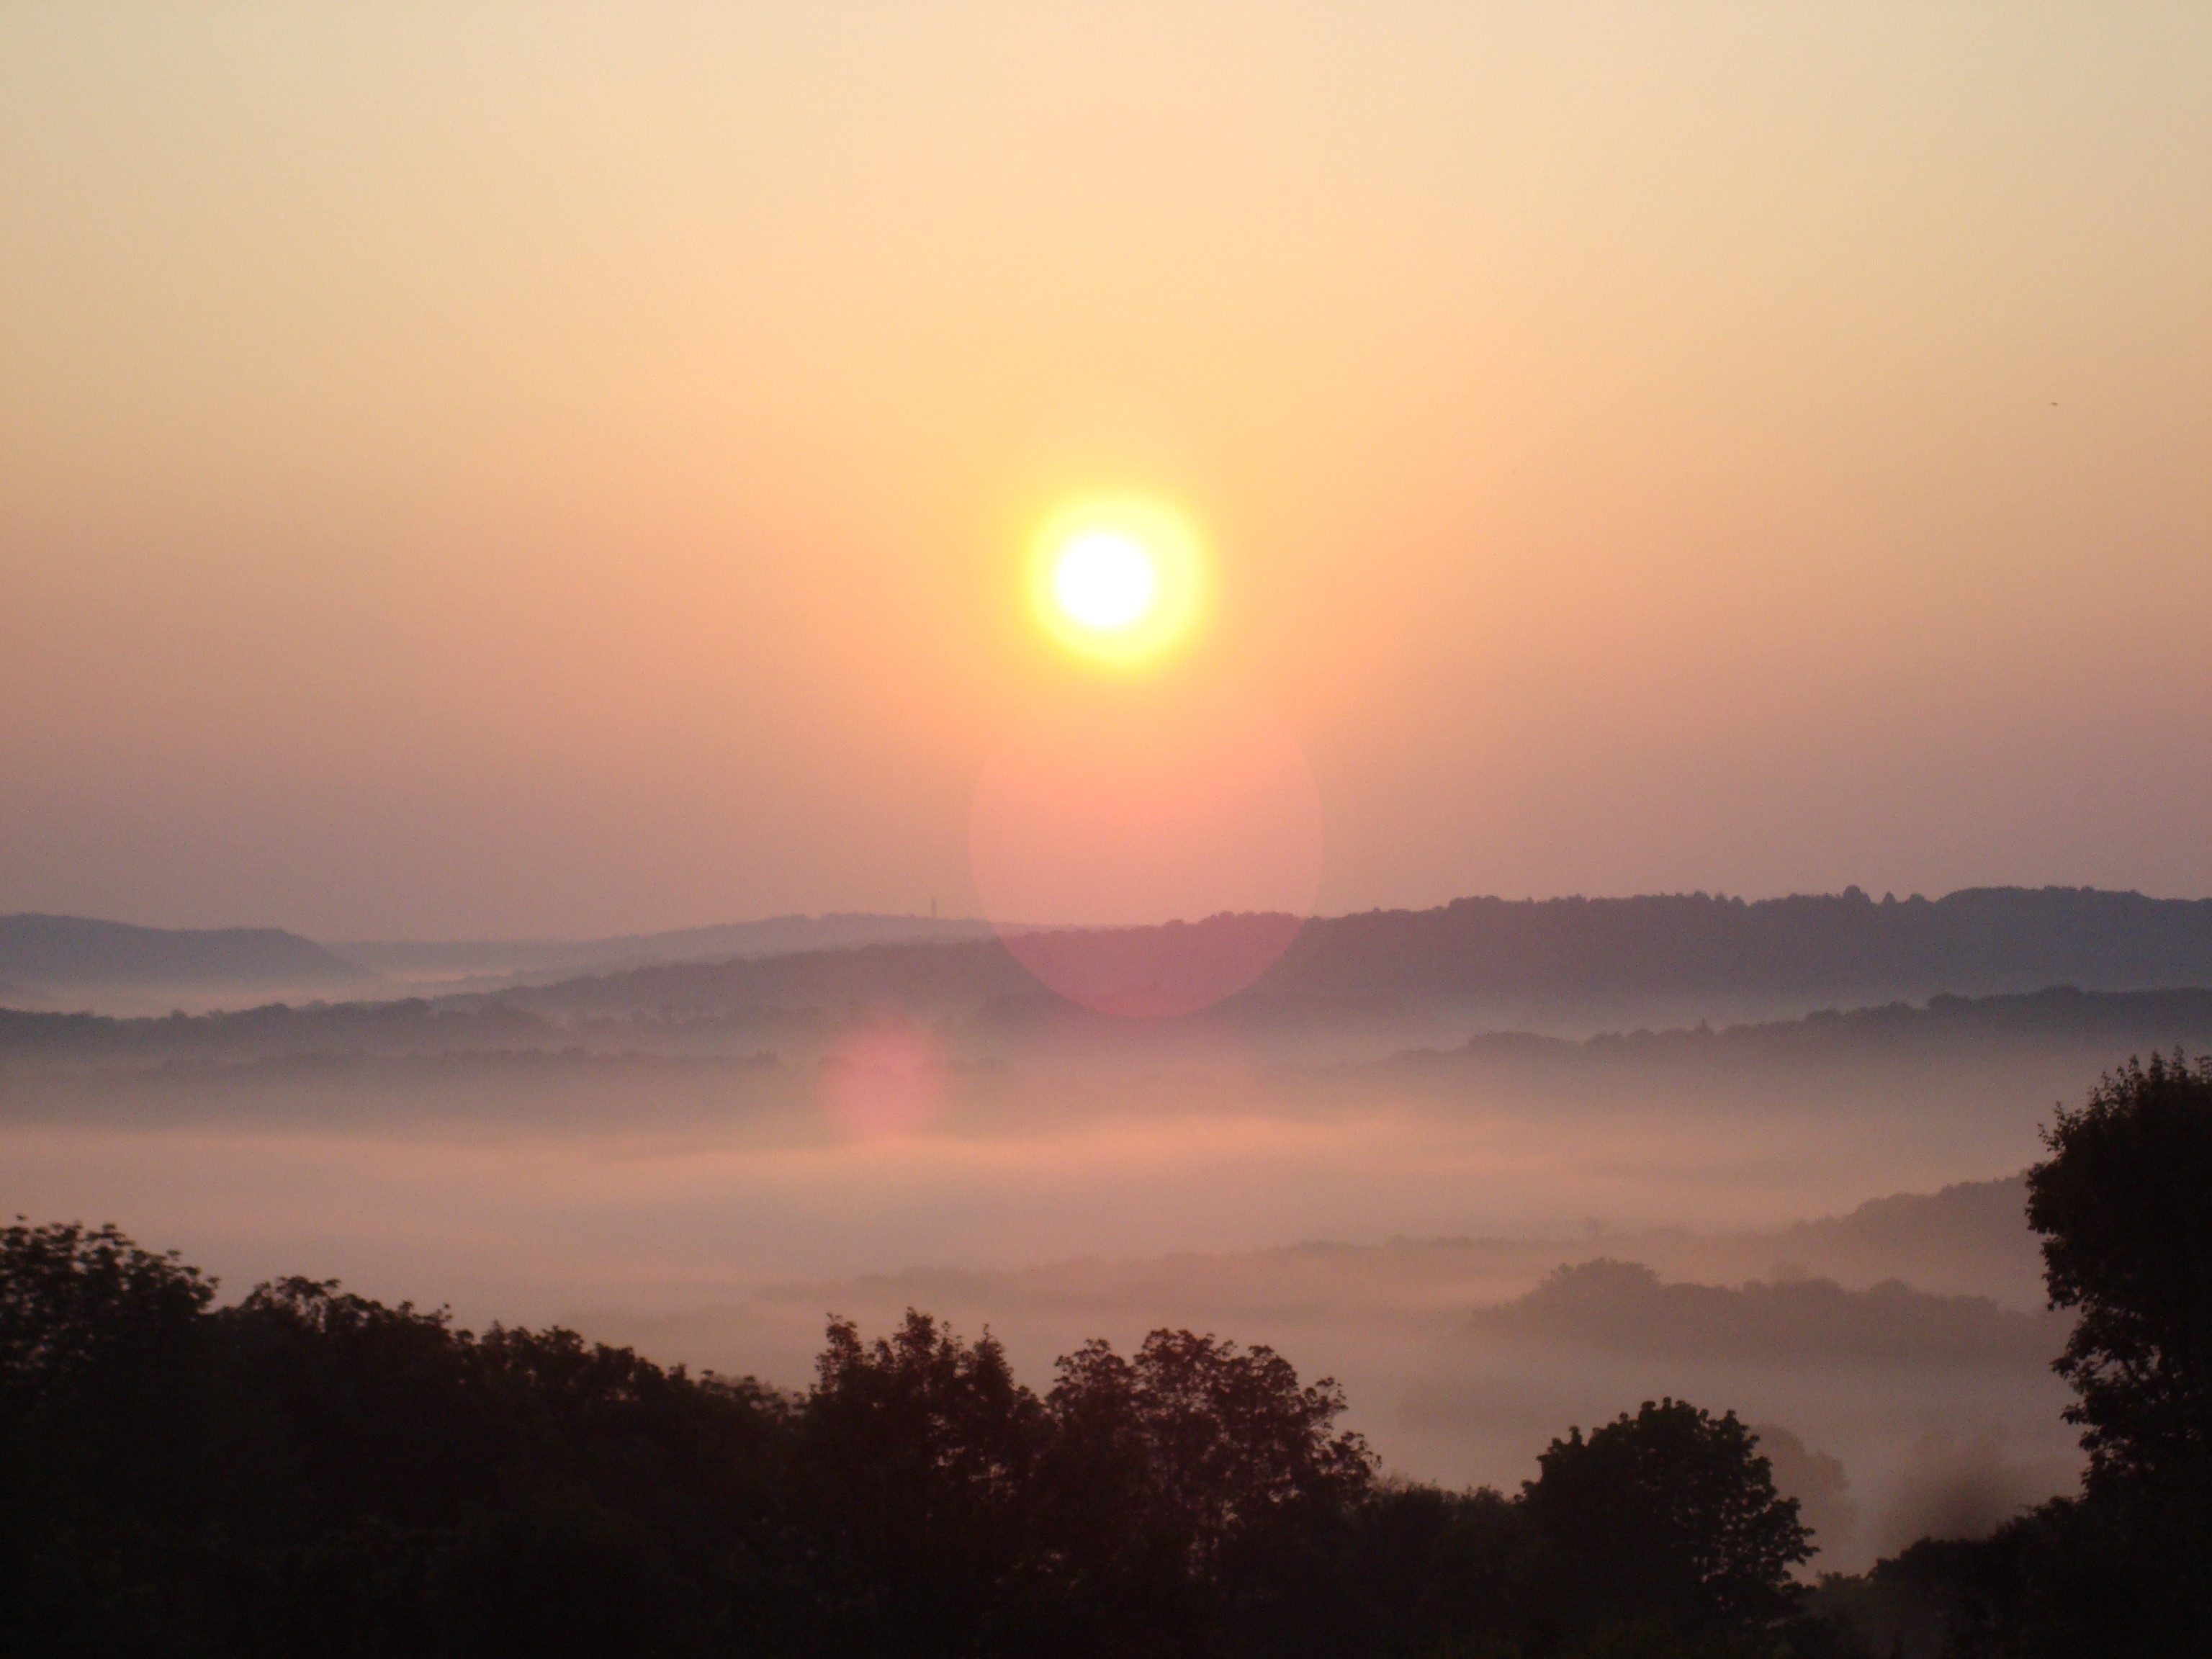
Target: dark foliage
pixel 2125 1205
pixel 1201 1498
pixel 310 1473
pixel 916 1462
pixel 1668 1517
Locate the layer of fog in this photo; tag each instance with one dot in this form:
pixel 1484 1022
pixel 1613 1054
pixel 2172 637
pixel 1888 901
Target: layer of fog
pixel 713 1209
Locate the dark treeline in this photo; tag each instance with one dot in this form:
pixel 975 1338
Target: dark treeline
pixel 311 1473
pixel 410 1026
pixel 2111 1020
pixel 1977 939
pixel 2058 1014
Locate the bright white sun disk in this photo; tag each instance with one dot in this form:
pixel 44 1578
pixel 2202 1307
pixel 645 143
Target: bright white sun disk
pixel 1103 580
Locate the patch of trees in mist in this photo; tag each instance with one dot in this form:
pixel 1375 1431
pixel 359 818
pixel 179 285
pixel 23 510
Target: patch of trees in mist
pixel 494 1031
pixel 311 1472
pixel 2063 1015
pixel 1625 1307
pixel 1894 1030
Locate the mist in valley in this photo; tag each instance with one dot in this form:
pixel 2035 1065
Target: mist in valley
pixel 1814 1221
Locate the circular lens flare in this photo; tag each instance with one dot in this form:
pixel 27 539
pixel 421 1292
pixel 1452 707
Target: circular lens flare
pixel 1119 581
pixel 1104 814
pixel 1104 580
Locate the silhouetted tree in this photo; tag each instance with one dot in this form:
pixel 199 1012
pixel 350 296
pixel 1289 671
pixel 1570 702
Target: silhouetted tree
pixel 1443 1573
pixel 106 1471
pixel 1670 1516
pixel 2125 1205
pixel 917 1452
pixel 1217 1441
pixel 1203 1488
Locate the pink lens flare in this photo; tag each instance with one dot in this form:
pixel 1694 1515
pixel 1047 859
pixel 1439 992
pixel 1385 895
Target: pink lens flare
pixel 1100 817
pixel 885 1079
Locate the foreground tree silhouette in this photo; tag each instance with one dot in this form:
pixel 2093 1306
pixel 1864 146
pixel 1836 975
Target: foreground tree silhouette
pixel 1207 1494
pixel 314 1473
pixel 1668 1516
pixel 916 1461
pixel 104 1394
pixel 2125 1205
pixel 94 1331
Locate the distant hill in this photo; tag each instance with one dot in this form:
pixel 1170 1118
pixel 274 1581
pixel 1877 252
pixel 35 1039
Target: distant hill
pixel 1731 953
pixel 1972 942
pixel 42 953
pixel 923 977
pixel 1977 1230
pixel 425 962
pixel 1975 943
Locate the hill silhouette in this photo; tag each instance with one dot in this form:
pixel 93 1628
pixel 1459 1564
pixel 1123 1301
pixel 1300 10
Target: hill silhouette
pixel 1976 942
pixel 69 952
pixel 528 960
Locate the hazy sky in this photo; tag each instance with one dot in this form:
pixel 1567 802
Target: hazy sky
pixel 563 469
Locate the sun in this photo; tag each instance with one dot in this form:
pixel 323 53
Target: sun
pixel 1118 580
pixel 1104 581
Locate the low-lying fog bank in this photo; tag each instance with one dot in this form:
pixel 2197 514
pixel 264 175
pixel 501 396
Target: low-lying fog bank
pixel 711 1204
pixel 1892 1410
pixel 481 1158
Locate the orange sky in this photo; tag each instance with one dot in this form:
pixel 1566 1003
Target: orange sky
pixel 565 469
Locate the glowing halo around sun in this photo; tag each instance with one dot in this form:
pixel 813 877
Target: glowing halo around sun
pixel 1118 580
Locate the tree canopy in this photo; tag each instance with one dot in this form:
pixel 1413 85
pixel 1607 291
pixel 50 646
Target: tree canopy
pixel 2125 1205
pixel 310 1472
pixel 1670 1513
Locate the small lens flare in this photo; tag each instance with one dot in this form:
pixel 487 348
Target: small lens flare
pixel 1118 580
pixel 883 1080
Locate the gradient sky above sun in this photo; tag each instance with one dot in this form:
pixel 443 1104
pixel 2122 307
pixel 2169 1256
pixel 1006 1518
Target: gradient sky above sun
pixel 512 469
